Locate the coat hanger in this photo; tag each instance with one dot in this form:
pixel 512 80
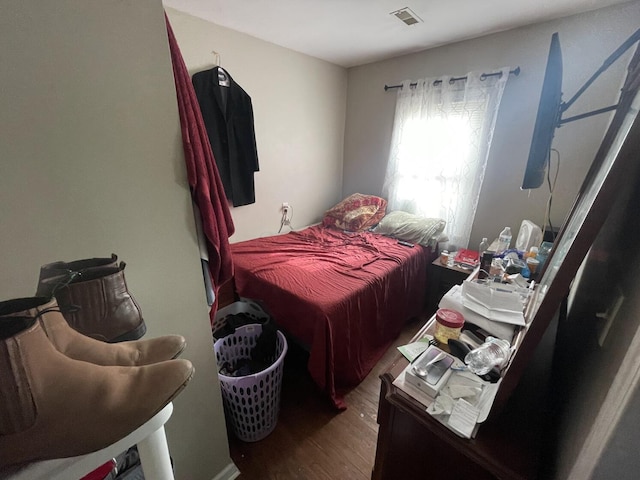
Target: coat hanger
pixel 223 78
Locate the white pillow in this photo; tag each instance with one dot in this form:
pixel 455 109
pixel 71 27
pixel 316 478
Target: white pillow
pixel 411 228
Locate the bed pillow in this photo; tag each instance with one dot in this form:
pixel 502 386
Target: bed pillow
pixel 355 213
pixel 411 228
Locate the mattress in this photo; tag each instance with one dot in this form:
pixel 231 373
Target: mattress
pixel 344 296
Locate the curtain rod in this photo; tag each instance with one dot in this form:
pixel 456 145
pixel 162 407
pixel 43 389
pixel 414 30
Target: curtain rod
pixel 515 71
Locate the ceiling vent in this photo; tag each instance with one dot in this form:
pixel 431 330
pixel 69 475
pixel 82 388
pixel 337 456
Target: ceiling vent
pixel 407 16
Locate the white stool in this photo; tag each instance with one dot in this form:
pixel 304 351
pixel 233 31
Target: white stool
pixel 152 447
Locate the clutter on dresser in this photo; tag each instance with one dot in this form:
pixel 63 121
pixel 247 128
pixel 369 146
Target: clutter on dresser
pixel 496 301
pixel 453 300
pixel 430 371
pixel 456 368
pixel 443 384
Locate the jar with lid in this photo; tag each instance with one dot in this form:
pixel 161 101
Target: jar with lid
pixel 448 325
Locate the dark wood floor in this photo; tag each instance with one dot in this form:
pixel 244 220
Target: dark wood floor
pixel 312 440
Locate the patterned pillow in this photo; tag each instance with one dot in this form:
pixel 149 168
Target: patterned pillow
pixel 355 213
pixel 411 228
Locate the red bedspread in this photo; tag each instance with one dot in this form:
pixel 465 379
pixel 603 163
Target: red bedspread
pixel 345 296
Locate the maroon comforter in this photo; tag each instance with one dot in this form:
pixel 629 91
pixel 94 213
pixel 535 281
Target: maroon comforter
pixel 345 296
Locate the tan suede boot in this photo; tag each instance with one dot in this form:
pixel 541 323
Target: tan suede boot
pixel 80 347
pixel 105 309
pixel 76 345
pixel 54 407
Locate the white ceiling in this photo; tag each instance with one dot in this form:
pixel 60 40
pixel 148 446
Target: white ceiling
pixel 355 32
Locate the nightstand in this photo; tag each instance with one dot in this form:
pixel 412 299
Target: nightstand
pixel 441 278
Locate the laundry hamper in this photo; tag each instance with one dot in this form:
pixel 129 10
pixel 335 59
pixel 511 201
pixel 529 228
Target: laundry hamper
pixel 251 402
pixel 246 307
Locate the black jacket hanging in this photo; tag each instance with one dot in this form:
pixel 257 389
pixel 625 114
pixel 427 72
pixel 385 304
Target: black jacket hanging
pixel 228 117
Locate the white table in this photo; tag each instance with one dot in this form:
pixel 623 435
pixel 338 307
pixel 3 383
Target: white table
pixel 152 447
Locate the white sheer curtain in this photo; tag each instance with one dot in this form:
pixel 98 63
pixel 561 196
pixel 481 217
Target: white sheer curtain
pixel 441 137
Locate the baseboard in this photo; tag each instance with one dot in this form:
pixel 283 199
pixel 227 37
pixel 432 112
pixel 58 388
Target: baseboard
pixel 228 473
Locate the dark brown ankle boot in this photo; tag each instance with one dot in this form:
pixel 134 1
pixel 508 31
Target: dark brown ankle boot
pixel 54 407
pixel 95 300
pixel 64 269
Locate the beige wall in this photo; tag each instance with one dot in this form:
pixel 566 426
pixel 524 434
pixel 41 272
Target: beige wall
pixel 586 41
pixel 91 163
pixel 299 107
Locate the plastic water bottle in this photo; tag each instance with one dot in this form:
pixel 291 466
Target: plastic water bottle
pixel 543 252
pixel 484 246
pixel 494 352
pixel 485 260
pixel 504 239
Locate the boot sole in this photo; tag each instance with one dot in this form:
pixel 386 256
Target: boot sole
pixel 179 389
pixel 135 334
pixel 178 353
pixel 173 395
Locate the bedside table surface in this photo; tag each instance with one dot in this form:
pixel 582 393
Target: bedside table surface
pixel 441 278
pixel 467 271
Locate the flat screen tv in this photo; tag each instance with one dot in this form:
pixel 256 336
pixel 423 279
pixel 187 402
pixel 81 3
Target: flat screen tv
pixel 547 119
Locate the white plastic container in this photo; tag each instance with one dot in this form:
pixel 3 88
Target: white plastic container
pixel 530 235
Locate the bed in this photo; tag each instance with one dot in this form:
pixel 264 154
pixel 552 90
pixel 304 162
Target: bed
pixel 344 296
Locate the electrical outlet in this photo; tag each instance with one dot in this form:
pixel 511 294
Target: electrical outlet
pixel 286 213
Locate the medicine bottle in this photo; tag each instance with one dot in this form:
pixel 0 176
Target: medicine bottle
pixel 448 325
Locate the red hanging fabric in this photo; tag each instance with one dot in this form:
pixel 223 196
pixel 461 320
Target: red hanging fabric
pixel 206 187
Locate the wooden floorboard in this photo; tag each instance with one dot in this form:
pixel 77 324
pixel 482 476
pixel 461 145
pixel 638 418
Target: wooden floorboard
pixel 313 441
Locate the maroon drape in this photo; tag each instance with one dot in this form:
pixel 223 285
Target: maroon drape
pixel 206 187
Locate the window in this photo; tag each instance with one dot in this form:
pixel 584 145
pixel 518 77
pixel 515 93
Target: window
pixel 442 132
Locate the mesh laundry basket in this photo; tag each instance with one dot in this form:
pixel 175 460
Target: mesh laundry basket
pixel 251 402
pixel 245 306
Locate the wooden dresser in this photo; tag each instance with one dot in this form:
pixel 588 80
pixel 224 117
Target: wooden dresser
pixel 413 445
